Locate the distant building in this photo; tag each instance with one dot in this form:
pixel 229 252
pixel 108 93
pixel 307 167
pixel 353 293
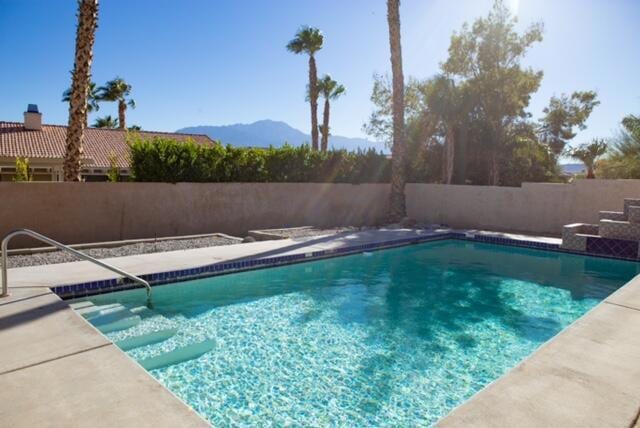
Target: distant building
pixel 44 146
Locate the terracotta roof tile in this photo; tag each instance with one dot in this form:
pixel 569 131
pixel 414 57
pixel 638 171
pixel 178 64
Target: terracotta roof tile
pixel 99 143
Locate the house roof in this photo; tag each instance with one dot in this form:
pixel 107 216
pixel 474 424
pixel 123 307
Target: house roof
pixel 98 144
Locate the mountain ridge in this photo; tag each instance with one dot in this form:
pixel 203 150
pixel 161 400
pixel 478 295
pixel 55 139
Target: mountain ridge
pixel 268 132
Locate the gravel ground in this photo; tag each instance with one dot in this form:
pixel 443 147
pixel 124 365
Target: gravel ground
pixel 125 250
pixel 158 247
pixel 303 233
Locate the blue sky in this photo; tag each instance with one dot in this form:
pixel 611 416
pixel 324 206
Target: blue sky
pixel 220 62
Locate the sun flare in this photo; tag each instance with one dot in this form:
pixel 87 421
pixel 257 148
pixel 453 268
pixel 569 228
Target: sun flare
pixel 514 5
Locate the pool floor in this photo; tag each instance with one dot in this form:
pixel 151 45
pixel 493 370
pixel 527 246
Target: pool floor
pixel 390 338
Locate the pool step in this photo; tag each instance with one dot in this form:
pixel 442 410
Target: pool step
pixel 81 305
pixel 110 315
pixel 120 324
pixel 612 215
pixel 630 202
pixel 146 339
pixel 96 310
pixel 619 230
pixel 177 356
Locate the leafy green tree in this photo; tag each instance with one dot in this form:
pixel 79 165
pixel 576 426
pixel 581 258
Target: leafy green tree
pixel 309 41
pixel 624 158
pixel 448 106
pixel 397 204
pixel 563 114
pixel 487 56
pixel 92 100
pixel 380 122
pixel 329 90
pixel 80 83
pixel 589 153
pixel 117 90
pixel 106 122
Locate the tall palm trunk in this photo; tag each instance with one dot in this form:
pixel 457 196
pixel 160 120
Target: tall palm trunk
pixel 397 207
pixel 122 108
pixel 449 156
pixel 325 126
pixel 313 100
pixel 460 160
pixel 85 36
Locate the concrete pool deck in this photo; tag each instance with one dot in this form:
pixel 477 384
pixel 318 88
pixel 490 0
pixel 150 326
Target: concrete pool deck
pixel 56 369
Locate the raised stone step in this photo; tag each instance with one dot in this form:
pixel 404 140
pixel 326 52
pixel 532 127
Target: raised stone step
pixel 178 356
pixel 634 214
pixel 620 230
pixel 146 339
pixel 630 202
pixel 612 215
pixel 574 236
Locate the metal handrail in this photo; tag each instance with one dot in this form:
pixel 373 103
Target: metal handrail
pixel 78 254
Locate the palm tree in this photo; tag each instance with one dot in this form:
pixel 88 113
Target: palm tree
pixel 92 100
pixel 397 207
pixel 80 83
pixel 588 153
pixel 309 40
pixel 448 107
pixel 330 90
pixel 106 122
pixel 118 90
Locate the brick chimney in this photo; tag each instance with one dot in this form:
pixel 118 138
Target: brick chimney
pixel 33 118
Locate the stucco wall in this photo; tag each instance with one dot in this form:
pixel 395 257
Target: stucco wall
pixel 90 212
pixel 534 208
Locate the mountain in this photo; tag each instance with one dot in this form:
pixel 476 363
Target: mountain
pixel 265 133
pixel 573 168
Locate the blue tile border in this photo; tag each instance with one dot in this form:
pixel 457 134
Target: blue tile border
pixel 71 291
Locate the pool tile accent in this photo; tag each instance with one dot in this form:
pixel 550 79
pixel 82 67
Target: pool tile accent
pixel 612 247
pixel 609 248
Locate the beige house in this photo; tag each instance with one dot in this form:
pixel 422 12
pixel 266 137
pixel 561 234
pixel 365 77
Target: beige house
pixel 44 146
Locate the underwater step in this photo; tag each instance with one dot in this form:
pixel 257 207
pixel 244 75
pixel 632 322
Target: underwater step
pixel 146 339
pixel 95 311
pixel 112 315
pixel 180 355
pixel 120 324
pixel 143 311
pixel 81 305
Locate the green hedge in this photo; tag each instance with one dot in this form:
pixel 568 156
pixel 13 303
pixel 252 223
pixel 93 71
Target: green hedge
pixel 165 160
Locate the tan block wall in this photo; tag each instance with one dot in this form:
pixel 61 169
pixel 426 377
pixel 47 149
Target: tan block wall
pixel 533 208
pixel 91 212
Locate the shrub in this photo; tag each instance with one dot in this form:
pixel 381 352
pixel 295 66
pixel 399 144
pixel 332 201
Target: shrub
pixel 113 175
pixel 165 160
pixel 23 172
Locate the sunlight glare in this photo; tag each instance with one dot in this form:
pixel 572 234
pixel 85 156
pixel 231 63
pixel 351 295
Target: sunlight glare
pixel 514 5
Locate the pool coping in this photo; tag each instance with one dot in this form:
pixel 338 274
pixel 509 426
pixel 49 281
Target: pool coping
pixel 627 298
pixel 89 288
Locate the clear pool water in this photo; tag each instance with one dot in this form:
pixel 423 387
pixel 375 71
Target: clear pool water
pixel 391 338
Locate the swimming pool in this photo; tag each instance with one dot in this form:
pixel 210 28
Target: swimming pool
pixel 394 337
